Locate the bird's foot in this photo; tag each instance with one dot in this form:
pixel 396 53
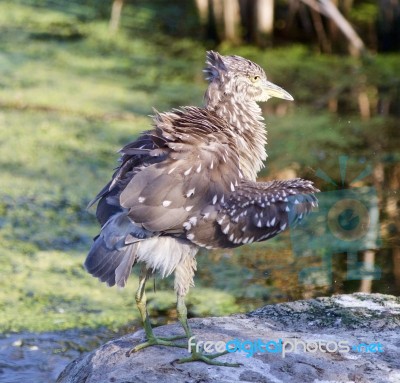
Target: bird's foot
pixel 172 338
pixel 209 359
pixel 154 341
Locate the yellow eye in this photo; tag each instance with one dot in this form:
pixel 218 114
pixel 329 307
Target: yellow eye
pixel 255 78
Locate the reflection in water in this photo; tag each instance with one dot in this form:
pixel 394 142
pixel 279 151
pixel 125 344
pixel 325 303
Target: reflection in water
pixel 369 262
pixel 270 272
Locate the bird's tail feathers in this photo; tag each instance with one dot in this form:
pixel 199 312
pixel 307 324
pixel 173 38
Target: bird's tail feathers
pixel 114 251
pixel 110 266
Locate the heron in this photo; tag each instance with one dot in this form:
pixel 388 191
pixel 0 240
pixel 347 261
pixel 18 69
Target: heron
pixel 190 183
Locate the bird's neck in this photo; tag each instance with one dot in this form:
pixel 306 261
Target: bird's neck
pixel 245 119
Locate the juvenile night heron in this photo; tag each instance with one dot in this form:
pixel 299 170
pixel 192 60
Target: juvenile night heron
pixel 190 182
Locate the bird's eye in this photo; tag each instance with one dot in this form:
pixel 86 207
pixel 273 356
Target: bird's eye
pixel 255 78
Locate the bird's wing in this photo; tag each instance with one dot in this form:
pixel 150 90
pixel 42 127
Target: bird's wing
pixel 256 211
pixel 148 149
pixel 194 164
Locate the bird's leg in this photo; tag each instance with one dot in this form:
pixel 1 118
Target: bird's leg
pixel 196 354
pixel 182 314
pixel 142 306
pixel 141 302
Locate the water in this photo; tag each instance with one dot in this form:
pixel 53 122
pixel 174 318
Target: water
pixel 40 357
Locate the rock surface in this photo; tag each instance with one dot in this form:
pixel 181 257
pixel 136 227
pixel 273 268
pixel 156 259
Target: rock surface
pixel 372 319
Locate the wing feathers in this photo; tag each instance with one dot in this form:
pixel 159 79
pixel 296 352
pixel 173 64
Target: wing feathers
pixel 255 212
pixel 163 196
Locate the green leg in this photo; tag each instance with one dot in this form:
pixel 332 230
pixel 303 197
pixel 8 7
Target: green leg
pixel 197 355
pixel 142 306
pixel 141 303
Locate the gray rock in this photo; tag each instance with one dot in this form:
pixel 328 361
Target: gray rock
pixel 357 318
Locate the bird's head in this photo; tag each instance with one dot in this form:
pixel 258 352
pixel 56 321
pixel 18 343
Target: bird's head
pixel 241 78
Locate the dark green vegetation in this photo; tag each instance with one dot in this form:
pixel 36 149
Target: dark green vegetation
pixel 71 94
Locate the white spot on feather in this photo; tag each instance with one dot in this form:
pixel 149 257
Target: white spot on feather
pixel 171 170
pixel 141 199
pixel 166 203
pixel 221 219
pixel 188 208
pixel 226 229
pixel 214 201
pixel 198 170
pixel 187 172
pixel 190 192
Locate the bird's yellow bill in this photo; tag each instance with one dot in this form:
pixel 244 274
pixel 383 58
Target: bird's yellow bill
pixel 273 90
